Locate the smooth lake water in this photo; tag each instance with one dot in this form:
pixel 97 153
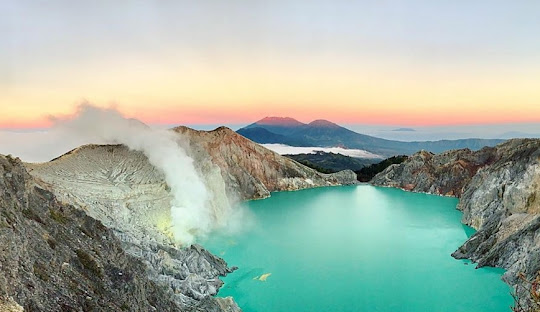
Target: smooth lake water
pixel 356 248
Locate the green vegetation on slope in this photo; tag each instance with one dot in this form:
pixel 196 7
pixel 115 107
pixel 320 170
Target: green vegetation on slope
pixel 367 173
pixel 365 169
pixel 331 162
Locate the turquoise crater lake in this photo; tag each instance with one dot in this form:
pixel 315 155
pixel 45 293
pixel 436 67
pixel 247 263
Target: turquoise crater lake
pixel 356 248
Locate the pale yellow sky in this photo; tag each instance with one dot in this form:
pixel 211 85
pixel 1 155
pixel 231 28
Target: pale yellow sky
pixel 416 64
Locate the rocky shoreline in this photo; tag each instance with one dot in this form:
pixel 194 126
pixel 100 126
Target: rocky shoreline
pixel 499 192
pixel 88 230
pixel 54 257
pixel 85 231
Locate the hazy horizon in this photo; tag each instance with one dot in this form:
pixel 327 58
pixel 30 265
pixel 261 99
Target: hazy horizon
pixel 38 145
pixel 422 133
pixel 399 132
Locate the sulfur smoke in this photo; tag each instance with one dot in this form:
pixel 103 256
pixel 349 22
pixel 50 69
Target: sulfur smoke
pixel 190 206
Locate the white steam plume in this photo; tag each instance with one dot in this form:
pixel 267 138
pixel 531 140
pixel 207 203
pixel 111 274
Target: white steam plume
pixel 190 212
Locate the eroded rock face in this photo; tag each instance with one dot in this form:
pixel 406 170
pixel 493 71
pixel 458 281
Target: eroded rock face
pixel 502 202
pixel 499 190
pixel 54 257
pixel 127 194
pixel 117 186
pixel 443 174
pixel 123 190
pixel 252 171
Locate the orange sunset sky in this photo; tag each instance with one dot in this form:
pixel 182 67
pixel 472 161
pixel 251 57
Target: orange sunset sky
pixel 211 62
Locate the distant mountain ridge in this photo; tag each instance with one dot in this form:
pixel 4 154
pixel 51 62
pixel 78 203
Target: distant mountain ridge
pixel 324 133
pixel 280 121
pixel 404 129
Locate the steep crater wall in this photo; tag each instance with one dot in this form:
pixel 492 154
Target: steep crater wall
pixel 54 257
pixel 252 171
pixel 123 190
pixel 499 191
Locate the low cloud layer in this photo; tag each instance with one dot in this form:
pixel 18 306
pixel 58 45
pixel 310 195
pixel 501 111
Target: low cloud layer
pixel 283 149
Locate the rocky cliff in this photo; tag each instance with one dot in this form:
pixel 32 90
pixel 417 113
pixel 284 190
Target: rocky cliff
pixel 252 171
pixel 122 189
pixel 443 174
pixel 54 257
pixel 499 191
pixel 130 197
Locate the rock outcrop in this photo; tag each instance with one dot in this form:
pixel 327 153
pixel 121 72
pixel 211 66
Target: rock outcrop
pixel 121 189
pixel 443 174
pixel 54 257
pixel 499 191
pixel 252 171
